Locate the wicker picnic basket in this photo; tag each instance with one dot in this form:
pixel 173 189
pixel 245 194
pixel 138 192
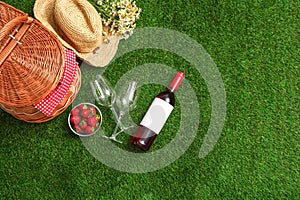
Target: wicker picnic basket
pixel 32 63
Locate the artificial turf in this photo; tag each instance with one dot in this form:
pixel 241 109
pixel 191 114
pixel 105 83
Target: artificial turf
pixel 255 45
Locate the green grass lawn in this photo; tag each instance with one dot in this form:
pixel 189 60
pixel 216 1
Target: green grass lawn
pixel 255 45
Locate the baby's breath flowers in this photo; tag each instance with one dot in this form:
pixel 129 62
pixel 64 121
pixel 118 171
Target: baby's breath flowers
pixel 118 15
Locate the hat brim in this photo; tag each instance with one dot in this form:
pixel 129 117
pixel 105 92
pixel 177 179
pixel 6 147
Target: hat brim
pixel 100 57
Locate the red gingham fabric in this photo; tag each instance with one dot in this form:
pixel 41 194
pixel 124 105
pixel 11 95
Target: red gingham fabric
pixel 48 105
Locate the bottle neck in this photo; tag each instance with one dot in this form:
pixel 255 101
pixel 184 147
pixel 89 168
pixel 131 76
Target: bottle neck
pixel 176 81
pixel 172 90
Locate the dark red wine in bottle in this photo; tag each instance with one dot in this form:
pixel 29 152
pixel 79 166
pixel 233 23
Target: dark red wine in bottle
pixel 156 116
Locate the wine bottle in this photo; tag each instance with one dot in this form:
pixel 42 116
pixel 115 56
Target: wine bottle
pixel 156 116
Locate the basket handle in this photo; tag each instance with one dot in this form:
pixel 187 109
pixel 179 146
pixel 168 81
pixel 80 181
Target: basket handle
pixel 8 28
pixel 10 25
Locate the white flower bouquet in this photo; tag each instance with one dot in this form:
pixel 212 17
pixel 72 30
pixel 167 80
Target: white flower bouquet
pixel 118 15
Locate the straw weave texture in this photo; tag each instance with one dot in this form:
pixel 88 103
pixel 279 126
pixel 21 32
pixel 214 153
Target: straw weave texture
pixel 31 65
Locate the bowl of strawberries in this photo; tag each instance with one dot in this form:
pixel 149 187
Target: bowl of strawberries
pixel 85 119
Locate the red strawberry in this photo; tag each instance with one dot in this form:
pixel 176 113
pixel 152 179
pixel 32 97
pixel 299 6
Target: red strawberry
pixel 92 121
pixel 93 110
pixel 77 129
pixel 85 119
pixel 75 111
pixel 82 107
pixel 83 124
pixel 85 112
pixel 75 119
pixel 89 130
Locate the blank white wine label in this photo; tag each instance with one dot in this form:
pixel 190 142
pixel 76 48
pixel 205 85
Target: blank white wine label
pixel 157 115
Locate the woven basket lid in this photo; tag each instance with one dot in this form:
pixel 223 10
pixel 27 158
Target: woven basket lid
pixel 34 66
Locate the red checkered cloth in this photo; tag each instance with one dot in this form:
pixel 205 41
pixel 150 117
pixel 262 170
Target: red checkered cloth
pixel 48 105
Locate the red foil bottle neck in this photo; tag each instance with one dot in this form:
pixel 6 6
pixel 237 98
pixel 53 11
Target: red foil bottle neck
pixel 176 81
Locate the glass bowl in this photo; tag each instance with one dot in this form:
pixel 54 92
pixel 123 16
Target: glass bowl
pixel 85 119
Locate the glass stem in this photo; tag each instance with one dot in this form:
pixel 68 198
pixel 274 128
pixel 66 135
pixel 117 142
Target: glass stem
pixel 118 124
pixel 117 117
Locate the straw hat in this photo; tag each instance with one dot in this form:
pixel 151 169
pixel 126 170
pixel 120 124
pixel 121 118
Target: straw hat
pixel 79 27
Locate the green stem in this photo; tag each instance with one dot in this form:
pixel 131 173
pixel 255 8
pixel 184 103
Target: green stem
pixel 100 9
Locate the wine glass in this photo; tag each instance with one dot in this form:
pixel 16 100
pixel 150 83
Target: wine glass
pixel 125 101
pixel 103 93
